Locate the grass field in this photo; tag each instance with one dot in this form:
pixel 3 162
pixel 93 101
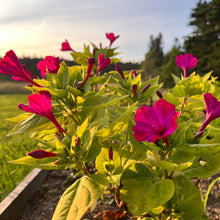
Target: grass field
pixel 12 147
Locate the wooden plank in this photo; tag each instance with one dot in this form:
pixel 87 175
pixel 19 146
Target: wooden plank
pixel 12 206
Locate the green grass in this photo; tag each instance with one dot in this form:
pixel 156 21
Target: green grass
pixel 12 147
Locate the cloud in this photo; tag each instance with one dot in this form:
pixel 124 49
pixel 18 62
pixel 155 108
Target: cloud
pixel 44 24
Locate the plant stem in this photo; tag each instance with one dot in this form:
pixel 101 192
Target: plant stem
pixel 166 174
pixel 183 102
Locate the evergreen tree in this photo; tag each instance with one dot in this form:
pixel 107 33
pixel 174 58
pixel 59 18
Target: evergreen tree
pixel 204 41
pixel 153 58
pixel 169 67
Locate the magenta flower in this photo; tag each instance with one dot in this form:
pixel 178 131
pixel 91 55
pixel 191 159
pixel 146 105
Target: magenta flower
pixel 111 37
pixel 65 46
pixel 91 62
pixel 186 62
pixel 134 74
pixel 102 63
pixel 156 122
pixel 40 104
pixel 10 65
pixel 52 64
pixel 212 111
pixel 39 154
pixel 119 70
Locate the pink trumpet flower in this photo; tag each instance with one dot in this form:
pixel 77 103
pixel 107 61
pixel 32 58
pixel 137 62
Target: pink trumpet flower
pixel 40 104
pixel 65 46
pixel 212 111
pixel 91 62
pixel 52 64
pixel 111 37
pixel 156 122
pixel 102 63
pixel 186 62
pixel 39 154
pixel 10 65
pixel 134 74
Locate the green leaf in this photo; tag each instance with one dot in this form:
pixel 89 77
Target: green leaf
pixel 32 123
pixel 75 74
pixel 176 79
pixel 210 167
pixel 131 155
pixel 79 58
pixel 200 149
pixel 142 192
pixel 111 168
pixel 100 101
pixel 45 163
pixel 190 86
pixel 74 91
pixel 83 128
pixel 154 81
pixel 55 93
pixel 154 160
pixel 149 93
pixel 117 126
pixel 19 118
pixel 181 157
pixel 97 80
pixel 187 200
pixel 43 82
pixel 61 148
pixel 103 87
pixel 80 196
pixel 93 146
pixel 62 76
pixel 145 218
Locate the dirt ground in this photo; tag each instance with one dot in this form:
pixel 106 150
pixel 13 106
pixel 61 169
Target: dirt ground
pixel 43 204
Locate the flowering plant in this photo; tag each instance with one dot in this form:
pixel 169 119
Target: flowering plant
pixel 102 126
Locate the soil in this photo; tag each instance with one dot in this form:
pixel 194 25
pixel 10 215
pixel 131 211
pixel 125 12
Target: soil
pixel 43 204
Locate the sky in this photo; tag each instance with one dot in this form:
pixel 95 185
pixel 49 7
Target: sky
pixel 36 28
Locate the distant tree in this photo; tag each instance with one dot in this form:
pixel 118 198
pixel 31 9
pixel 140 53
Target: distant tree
pixel 126 66
pixel 204 41
pixel 169 67
pixel 153 58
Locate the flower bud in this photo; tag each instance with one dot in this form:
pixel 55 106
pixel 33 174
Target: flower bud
pixel 146 87
pixel 119 70
pixel 159 94
pixel 110 153
pixel 77 141
pixel 93 52
pixel 134 88
pixel 79 85
pixel 39 154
